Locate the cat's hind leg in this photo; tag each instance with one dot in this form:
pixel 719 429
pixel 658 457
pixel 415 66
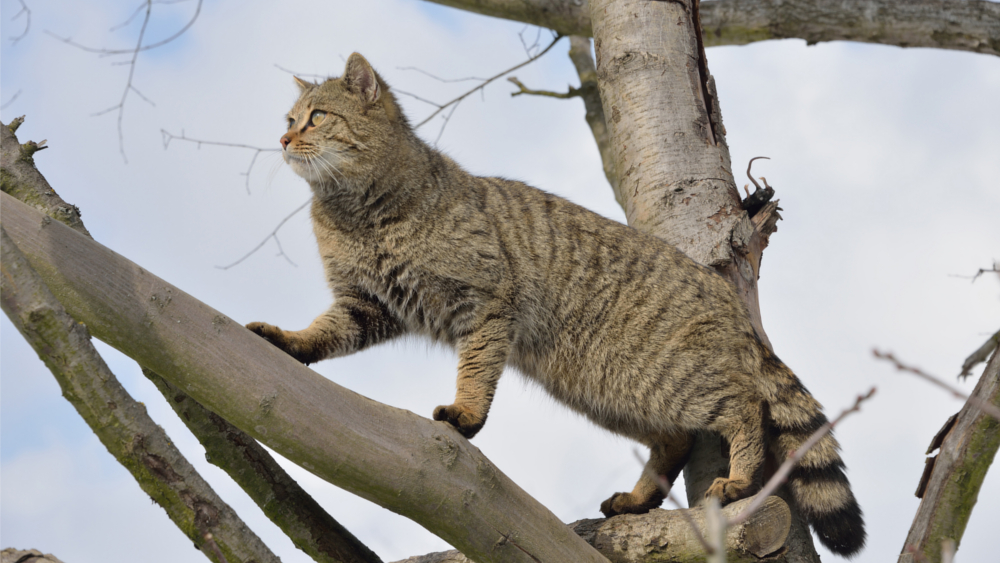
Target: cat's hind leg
pixel 745 433
pixel 667 455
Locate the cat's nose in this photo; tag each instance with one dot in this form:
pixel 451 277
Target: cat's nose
pixel 284 141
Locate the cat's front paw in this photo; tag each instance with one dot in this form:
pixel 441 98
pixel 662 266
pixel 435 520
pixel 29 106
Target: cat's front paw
pixel 629 503
pixel 464 420
pixel 279 338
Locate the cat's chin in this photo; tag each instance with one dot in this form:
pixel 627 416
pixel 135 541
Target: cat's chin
pixel 316 170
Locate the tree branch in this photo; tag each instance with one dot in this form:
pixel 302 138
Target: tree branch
pixel 665 535
pixel 281 498
pixel 980 355
pixel 970 25
pixel 415 467
pixel 956 474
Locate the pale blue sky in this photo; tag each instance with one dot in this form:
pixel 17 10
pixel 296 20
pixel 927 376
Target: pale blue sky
pixel 885 161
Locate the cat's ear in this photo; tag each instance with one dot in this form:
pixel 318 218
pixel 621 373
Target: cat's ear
pixel 302 84
pixel 360 78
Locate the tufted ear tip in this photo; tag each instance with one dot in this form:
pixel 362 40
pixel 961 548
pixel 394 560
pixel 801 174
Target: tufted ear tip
pixel 360 78
pixel 302 84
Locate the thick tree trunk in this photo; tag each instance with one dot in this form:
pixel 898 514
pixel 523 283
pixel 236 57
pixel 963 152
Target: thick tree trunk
pixel 964 25
pixel 674 169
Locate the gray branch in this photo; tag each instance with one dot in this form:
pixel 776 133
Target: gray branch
pixel 964 25
pixel 664 535
pixel 420 469
pixel 952 479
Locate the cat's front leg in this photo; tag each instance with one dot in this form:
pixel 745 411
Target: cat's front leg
pixel 354 322
pixel 481 359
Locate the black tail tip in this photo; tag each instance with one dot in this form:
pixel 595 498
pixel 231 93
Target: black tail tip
pixel 842 531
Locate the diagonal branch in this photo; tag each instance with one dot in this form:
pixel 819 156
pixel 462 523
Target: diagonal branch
pixel 120 422
pixel 415 467
pixel 955 476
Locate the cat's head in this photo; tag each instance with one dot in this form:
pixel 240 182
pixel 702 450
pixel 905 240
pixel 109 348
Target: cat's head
pixel 343 128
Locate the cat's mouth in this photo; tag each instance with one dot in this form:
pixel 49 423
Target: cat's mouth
pixel 319 167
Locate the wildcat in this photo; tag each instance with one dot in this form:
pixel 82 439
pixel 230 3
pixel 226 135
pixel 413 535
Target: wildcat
pixel 615 323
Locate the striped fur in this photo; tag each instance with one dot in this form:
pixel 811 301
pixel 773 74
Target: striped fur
pixel 614 323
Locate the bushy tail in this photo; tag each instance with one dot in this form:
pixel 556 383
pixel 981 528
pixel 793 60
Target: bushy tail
pixel 818 482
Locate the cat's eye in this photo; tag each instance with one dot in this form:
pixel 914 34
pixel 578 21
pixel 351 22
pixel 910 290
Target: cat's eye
pixel 317 118
pixel 291 123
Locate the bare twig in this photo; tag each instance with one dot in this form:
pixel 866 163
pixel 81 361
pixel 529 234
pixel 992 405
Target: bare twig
pixel 168 136
pixel 715 528
pixel 146 5
pixel 416 97
pixel 26 12
pixel 534 45
pixel 572 93
pixel 11 100
pixel 128 85
pixel 487 81
pixel 438 78
pixel 107 52
pixel 299 74
pixel 781 474
pixel 980 355
pixel 995 268
pixel 986 407
pixel 274 235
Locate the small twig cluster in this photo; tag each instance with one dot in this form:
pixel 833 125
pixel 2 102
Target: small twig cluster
pixel 26 12
pixel 168 136
pixel 145 7
pixel 454 103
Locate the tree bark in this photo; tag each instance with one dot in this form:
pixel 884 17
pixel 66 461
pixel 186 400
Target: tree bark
pixel 957 475
pixel 674 169
pixel 421 469
pixel 665 535
pixel 279 496
pixel 964 25
pixel 579 53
